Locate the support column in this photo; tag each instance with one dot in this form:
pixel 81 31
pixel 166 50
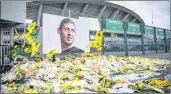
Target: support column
pixel 114 14
pixel 39 15
pixel 155 39
pixel 99 14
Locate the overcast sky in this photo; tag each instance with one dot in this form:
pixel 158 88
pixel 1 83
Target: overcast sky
pixel 161 11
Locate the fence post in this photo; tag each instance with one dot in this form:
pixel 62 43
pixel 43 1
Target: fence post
pixel 165 40
pixel 125 25
pixel 155 39
pixel 142 38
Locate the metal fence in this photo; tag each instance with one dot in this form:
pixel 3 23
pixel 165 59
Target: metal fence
pixel 126 38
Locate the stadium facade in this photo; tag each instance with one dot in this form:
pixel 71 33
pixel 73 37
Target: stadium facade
pixel 92 11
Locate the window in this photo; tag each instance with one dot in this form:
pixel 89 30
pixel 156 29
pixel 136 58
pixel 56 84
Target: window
pixel 8 33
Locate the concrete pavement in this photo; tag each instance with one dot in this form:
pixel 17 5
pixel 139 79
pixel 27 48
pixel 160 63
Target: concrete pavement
pixel 151 54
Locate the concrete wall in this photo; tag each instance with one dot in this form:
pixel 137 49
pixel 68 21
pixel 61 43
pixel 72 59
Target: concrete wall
pixel 40 40
pixel 14 11
pixel 0 9
pixel 93 23
pixel 108 11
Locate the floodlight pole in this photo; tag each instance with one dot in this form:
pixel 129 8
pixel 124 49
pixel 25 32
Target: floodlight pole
pixel 152 19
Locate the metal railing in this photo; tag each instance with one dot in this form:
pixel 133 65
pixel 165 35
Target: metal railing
pixel 141 44
pixel 4 57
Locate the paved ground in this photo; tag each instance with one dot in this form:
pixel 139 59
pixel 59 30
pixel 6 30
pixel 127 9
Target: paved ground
pixel 160 55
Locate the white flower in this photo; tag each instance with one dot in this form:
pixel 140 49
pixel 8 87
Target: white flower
pixel 51 75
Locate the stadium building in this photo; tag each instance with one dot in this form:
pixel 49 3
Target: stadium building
pixel 92 11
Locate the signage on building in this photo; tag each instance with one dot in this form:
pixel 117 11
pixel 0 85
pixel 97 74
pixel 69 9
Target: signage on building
pixel 114 25
pixel 167 33
pixel 160 33
pixel 148 35
pixel 149 30
pixel 133 28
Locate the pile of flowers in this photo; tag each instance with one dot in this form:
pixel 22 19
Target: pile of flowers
pixel 88 73
pixel 97 43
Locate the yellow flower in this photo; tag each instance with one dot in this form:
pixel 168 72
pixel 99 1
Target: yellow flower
pixel 64 76
pixel 96 86
pixel 85 53
pixel 27 50
pixel 99 48
pixel 29 91
pixel 25 35
pixel 120 80
pixel 12 84
pixel 121 69
pixel 100 76
pixel 76 88
pixel 64 86
pixel 16 37
pixel 83 61
pixel 107 84
pixel 35 48
pixel 74 79
pixel 155 63
pixel 140 85
pixel 51 53
pixel 98 44
pixel 99 34
pixel 31 27
pixel 20 90
pixel 30 39
pixel 6 84
pixel 99 40
pixel 79 75
pixel 38 64
pixel 92 44
pixel 37 59
pixel 90 71
pixel 15 46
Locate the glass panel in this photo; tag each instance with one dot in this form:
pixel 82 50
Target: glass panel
pixel 114 44
pixel 134 44
pixel 160 36
pixel 168 48
pixel 160 48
